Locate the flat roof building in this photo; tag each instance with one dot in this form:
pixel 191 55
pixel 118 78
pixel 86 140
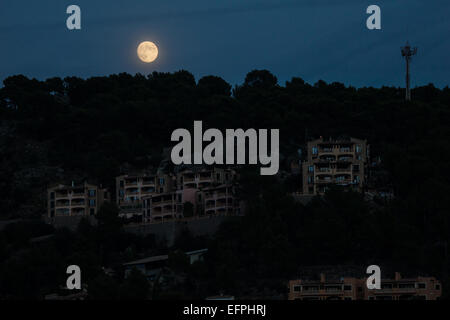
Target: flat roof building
pixel 351 288
pixel 132 188
pixel 75 200
pixel 340 161
pixel 219 200
pixel 398 288
pixel 199 177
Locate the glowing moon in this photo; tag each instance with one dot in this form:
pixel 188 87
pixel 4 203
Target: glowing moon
pixel 147 51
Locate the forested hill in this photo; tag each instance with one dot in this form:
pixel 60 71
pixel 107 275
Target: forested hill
pixel 69 128
pixel 58 128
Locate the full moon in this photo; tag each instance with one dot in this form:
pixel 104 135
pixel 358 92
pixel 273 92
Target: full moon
pixel 147 51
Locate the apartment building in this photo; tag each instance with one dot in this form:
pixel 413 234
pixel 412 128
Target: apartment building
pixel 398 288
pixel 219 200
pixel 350 288
pixel 209 191
pixel 75 200
pixel 132 188
pixel 162 207
pixel 203 177
pixel 159 197
pixel 341 161
pixel 345 288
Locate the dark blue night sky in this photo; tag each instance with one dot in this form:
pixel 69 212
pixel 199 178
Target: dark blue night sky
pixel 311 39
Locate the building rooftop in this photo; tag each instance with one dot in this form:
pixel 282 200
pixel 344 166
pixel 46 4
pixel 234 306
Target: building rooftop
pixel 197 251
pixel 147 260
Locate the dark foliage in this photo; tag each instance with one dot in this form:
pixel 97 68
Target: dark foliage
pixel 90 128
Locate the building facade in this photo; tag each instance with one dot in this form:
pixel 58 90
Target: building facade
pixel 203 177
pixel 323 289
pixel 335 162
pixel 398 288
pixel 219 200
pixel 162 207
pixel 350 288
pixel 75 200
pixel 131 189
pixel 197 191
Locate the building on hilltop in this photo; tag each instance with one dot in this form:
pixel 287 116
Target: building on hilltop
pixel 212 201
pixel 206 201
pixel 199 177
pixel 75 200
pixel 341 161
pixel 132 188
pixel 220 200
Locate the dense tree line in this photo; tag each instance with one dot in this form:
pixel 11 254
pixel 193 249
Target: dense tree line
pixel 89 128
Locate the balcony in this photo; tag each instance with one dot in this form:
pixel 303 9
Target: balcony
pixel 188 178
pixel 60 203
pixel 343 169
pixel 327 158
pixel 221 203
pixel 156 210
pixel 148 181
pixel 346 158
pixel 190 185
pixel 147 190
pixel 334 289
pixel 61 194
pixel 205 177
pixel 210 204
pixel 344 181
pixel 62 212
pixel 217 195
pixel 78 203
pixel 78 212
pixel 221 210
pixel 310 290
pixel 204 184
pixel 168 210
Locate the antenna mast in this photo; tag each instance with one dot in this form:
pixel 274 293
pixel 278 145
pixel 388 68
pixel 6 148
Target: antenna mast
pixel 408 52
